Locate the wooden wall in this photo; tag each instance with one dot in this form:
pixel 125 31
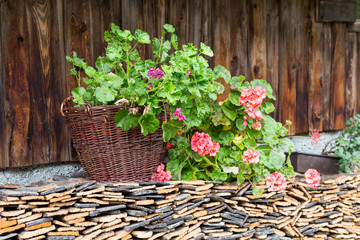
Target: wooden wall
pixel 314 67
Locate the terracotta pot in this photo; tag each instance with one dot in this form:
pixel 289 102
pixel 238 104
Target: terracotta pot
pixel 322 163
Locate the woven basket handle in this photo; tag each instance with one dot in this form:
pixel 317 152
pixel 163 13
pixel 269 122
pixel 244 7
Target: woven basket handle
pixel 69 99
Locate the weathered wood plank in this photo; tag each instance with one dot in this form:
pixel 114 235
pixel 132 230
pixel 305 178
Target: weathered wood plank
pixel 272 48
pixel 288 66
pixel 221 32
pixel 15 47
pixel 316 77
pixel 337 77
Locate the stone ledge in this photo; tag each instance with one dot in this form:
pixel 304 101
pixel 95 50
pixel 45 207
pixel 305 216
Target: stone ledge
pixel 81 209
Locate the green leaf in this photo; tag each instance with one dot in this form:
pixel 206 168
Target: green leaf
pixel 240 179
pixel 103 64
pixel 239 142
pixel 105 94
pixel 229 110
pixel 221 71
pixel 219 87
pixel 156 45
pixel 257 191
pixel 125 121
pixel 73 72
pixel 78 94
pixel 142 36
pixel 206 50
pixel 236 82
pixel 234 97
pixel 277 159
pixel 220 118
pixel 170 129
pixel 239 124
pixel 267 107
pixel 226 137
pixel 175 166
pixel 114 52
pixel 218 175
pixel 169 28
pixel 90 71
pixel 174 41
pixel 149 123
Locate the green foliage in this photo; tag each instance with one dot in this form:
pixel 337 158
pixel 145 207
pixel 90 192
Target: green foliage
pixel 188 83
pixel 347 145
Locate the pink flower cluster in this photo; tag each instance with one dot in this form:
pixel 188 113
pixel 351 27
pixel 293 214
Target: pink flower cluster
pixel 189 72
pixel 356 168
pixel 160 174
pixel 276 181
pixel 155 73
pixel 253 98
pixel 178 113
pixel 250 156
pixel 312 178
pixel 168 145
pixel 315 136
pixel 202 144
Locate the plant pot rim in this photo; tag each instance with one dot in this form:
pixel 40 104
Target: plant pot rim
pixel 314 154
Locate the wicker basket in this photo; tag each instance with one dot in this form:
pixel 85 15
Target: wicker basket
pixel 107 153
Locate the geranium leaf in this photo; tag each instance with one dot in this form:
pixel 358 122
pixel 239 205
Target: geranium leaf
pixel 226 137
pixel 142 36
pixel 277 159
pixel 170 129
pixel 78 94
pixel 222 72
pixel 234 97
pixel 169 28
pixel 206 50
pixel 126 121
pixel 257 191
pixel 220 118
pixel 105 94
pixel 218 175
pixel 149 123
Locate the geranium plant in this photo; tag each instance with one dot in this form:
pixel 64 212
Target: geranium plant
pixel 347 146
pixel 206 139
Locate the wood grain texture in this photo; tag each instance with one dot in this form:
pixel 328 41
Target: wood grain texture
pixel 351 76
pixel 15 45
pixel 272 48
pixel 337 77
pixel 316 74
pixel 287 64
pixel 221 35
pixel 4 162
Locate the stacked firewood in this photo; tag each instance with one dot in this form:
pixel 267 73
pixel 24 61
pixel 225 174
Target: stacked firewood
pixel 81 209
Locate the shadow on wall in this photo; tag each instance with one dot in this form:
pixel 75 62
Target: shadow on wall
pixel 28 175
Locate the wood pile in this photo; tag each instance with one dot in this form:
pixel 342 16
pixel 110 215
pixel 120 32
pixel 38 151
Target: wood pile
pixel 80 209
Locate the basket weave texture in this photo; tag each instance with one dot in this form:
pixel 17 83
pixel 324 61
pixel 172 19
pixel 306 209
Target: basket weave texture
pixel 107 153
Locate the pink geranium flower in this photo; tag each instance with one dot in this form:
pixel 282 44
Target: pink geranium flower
pixel 155 73
pixel 276 181
pixel 160 174
pixel 202 144
pixel 250 156
pixel 178 113
pixel 315 136
pixel 253 98
pixel 312 178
